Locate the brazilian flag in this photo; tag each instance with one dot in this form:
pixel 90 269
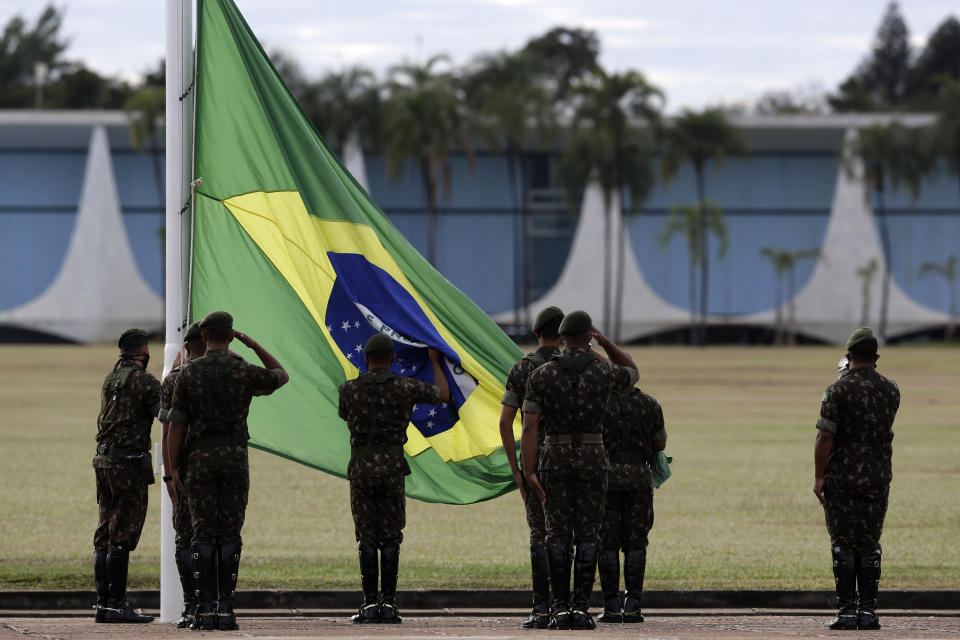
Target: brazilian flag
pixel 296 250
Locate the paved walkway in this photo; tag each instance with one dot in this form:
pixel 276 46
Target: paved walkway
pixel 721 624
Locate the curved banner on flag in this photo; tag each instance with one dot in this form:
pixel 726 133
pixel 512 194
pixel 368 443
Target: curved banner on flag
pixel 287 241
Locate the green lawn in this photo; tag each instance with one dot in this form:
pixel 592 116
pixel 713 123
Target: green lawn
pixel 738 513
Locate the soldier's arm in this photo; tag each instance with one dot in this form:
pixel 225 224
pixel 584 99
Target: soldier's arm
pixel 439 378
pixel 507 416
pixel 615 353
pixel 529 436
pixel 660 436
pixel 269 362
pixel 826 428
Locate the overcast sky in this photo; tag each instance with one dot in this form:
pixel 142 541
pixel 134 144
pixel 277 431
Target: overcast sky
pixel 699 51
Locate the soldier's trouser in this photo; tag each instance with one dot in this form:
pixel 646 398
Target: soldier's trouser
pixel 378 506
pixel 855 521
pixel 574 507
pixel 182 524
pixel 122 497
pixel 535 518
pixel 218 483
pixel 627 519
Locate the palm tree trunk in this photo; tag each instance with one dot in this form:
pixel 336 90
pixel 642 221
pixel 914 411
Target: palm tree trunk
pixel 158 180
pixel 693 298
pixel 704 256
pixel 519 238
pixel 791 307
pixel 607 232
pixel 620 240
pixel 426 171
pixel 527 248
pixel 952 302
pixel 777 310
pixel 888 262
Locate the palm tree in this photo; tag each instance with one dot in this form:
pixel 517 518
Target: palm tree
pixel 866 273
pixel 948 271
pixel 343 104
pixel 423 118
pixel 615 117
pixel 946 132
pixel 891 154
pixel 692 222
pixel 507 102
pixel 697 137
pixel 784 263
pixel 144 109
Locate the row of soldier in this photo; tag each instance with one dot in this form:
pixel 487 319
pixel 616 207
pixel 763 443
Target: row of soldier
pixel 588 439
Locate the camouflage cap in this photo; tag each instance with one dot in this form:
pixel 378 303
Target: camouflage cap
pixel 128 333
pixel 193 333
pixel 546 315
pixel 576 323
pixel 378 344
pixel 860 335
pixel 217 320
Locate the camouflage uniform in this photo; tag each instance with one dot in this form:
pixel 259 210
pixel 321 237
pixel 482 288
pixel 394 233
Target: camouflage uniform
pixel 513 396
pixel 211 398
pixel 377 407
pixel 129 401
pixel 570 394
pixel 634 423
pixel 130 398
pixel 182 525
pixel 859 410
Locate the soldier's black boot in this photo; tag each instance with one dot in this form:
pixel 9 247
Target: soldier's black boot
pixel 119 610
pixel 389 570
pixel 845 577
pixel 634 567
pixel 559 557
pixel 103 585
pixel 868 582
pixel 584 571
pixel 205 576
pixel 228 569
pixel 369 610
pixel 189 586
pixel 608 566
pixel 540 571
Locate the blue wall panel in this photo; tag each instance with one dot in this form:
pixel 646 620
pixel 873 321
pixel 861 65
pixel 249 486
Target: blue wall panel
pixel 741 282
pixel 485 187
pixel 917 238
pixel 33 246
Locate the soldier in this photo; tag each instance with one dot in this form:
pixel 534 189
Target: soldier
pixel 853 471
pixel 546 328
pixel 182 526
pixel 377 407
pixel 212 398
pixel 129 400
pixel 570 393
pixel 632 435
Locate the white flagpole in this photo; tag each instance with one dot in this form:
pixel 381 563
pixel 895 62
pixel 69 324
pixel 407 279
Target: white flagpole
pixel 178 123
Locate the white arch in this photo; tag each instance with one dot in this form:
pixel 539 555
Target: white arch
pixel 98 291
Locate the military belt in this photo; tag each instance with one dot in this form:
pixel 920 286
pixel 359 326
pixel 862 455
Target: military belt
pixel 217 440
pixel 373 449
pixel 566 438
pixel 112 451
pixel 629 457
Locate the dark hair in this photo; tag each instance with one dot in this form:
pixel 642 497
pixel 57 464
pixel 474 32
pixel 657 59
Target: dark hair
pixel 133 343
pixel 195 346
pixel 219 334
pixel 380 358
pixel 551 330
pixel 864 351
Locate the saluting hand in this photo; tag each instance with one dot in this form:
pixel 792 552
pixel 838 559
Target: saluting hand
pixel 243 338
pixel 597 335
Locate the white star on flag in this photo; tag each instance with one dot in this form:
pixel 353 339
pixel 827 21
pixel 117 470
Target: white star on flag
pixel 358 348
pixel 356 325
pixel 429 423
pixel 346 325
pixel 433 412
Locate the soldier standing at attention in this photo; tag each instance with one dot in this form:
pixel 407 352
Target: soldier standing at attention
pixel 570 393
pixel 853 471
pixel 546 328
pixel 182 526
pixel 129 400
pixel 632 435
pixel 377 406
pixel 212 398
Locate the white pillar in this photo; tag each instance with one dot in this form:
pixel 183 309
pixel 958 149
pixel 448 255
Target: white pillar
pixel 179 125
